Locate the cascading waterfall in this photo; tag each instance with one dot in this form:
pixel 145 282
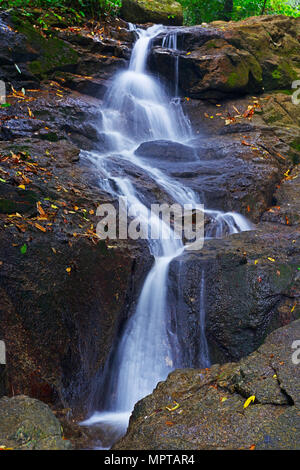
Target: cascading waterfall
pixel 137 109
pixel 170 42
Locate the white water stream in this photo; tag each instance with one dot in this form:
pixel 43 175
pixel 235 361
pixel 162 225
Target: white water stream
pixel 137 109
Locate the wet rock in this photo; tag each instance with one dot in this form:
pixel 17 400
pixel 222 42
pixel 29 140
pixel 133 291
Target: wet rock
pixel 28 424
pixel 14 200
pixel 211 414
pixel 166 151
pixel 167 12
pixel 47 313
pixel 20 128
pixel 251 287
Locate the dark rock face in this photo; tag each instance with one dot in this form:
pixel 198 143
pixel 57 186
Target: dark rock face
pixel 47 313
pixel 246 294
pixel 28 424
pixel 212 415
pixel 80 61
pixel 168 12
pixel 166 150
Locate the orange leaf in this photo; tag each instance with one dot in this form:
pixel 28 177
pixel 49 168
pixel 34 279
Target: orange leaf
pixel 40 209
pixel 169 423
pixel 40 228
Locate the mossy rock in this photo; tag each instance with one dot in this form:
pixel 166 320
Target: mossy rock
pixel 278 75
pixel 247 74
pixel 28 424
pixel 14 200
pixel 166 12
pixel 54 54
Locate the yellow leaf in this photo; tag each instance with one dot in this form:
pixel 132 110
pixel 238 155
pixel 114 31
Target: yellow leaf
pixel 173 408
pixel 224 399
pixel 271 259
pixel 274 376
pixel 249 400
pixel 256 261
pixel 21 186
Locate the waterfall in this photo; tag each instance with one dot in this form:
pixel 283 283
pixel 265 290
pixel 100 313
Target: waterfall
pixel 137 109
pixel 170 42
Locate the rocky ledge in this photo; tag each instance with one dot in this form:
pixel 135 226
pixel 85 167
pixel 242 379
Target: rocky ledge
pixel 207 409
pixel 28 424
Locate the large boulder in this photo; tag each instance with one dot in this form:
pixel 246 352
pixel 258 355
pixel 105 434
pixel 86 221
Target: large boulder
pixel 209 404
pixel 166 12
pixel 251 287
pixel 166 151
pixel 29 424
pixel 226 59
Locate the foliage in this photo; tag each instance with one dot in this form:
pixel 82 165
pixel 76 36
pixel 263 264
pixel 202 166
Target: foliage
pixel 198 11
pixel 78 8
pixel 195 11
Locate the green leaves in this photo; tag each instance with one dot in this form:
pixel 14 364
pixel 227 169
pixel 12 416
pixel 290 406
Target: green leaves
pixel 210 10
pixel 23 249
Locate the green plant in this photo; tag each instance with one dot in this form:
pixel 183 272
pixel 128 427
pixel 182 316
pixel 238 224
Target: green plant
pixel 78 8
pixel 198 11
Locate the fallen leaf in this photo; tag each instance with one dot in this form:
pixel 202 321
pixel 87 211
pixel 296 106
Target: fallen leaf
pixel 169 423
pixel 40 209
pixel 40 227
pixel 23 249
pixel 173 408
pixel 249 400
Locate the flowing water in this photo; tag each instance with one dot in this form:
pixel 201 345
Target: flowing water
pixel 138 109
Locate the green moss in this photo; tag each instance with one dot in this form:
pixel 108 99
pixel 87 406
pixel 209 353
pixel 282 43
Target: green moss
pixel 296 144
pixel 285 92
pixel 143 11
pixel 233 80
pixel 164 6
pixel 211 44
pixel 51 136
pixel 276 74
pixel 54 53
pixel 274 117
pixel 7 206
pixel 288 69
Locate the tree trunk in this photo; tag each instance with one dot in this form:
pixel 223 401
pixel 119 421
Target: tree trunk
pixel 264 8
pixel 228 7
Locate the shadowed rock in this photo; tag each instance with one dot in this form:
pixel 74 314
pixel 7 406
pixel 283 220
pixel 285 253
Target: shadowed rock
pixel 211 414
